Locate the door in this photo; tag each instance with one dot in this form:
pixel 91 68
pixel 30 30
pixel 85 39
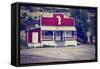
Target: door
pixel 34 37
pixel 58 35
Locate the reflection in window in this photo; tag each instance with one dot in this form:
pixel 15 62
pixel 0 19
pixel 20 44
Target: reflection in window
pixel 47 35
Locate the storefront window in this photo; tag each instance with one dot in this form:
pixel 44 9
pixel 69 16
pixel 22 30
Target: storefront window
pixel 68 34
pixel 47 35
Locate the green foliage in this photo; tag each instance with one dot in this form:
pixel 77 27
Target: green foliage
pixel 46 46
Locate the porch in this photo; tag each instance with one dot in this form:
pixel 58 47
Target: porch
pixel 58 35
pixel 58 38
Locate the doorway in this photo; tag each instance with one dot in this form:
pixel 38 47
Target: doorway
pixel 58 35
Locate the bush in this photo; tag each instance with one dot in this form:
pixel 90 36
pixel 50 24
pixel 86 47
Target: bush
pixel 46 46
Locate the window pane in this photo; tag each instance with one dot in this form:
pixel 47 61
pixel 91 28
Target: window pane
pixel 58 33
pixel 47 35
pixel 68 33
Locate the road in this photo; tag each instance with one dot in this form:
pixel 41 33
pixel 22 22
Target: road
pixel 54 54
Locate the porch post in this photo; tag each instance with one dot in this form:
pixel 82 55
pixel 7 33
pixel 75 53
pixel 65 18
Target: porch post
pixel 53 36
pixel 75 35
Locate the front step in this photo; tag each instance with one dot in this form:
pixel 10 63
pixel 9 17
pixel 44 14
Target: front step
pixel 60 43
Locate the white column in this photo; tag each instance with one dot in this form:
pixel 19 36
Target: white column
pixel 54 38
pixel 75 35
pixel 53 35
pixel 64 35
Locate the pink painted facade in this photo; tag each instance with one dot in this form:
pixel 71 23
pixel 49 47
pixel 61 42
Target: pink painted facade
pixel 53 21
pixel 29 35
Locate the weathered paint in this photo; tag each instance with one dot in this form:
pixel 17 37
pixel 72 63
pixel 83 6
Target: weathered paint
pixel 29 39
pixel 54 21
pixel 57 28
pixel 61 43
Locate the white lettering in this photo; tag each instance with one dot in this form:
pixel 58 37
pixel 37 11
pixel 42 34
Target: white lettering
pixel 59 20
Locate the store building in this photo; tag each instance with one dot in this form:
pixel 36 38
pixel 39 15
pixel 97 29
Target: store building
pixel 55 29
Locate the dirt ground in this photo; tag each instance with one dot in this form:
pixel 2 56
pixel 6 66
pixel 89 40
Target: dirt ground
pixel 54 54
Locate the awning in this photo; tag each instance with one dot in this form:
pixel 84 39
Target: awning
pixel 64 28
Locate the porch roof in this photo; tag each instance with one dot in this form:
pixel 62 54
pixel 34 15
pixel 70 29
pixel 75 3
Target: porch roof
pixel 68 28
